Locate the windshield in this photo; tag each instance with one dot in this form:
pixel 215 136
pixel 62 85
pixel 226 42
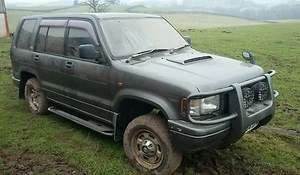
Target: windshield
pixel 126 37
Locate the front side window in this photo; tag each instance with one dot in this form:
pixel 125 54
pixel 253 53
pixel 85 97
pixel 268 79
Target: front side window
pixel 25 35
pixel 129 36
pixel 76 38
pixel 55 40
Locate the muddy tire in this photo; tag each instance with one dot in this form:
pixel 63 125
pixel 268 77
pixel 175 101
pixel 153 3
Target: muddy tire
pixel 147 145
pixel 35 97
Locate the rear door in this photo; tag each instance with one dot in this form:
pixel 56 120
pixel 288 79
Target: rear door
pixel 48 57
pixel 86 81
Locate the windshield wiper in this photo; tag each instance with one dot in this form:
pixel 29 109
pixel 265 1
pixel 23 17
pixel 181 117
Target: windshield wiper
pixel 145 52
pixel 179 48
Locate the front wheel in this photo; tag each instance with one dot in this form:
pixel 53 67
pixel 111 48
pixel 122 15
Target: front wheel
pixel 147 145
pixel 35 97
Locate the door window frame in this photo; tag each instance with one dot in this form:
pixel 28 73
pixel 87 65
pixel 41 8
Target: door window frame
pixel 67 23
pixel 59 23
pixel 89 26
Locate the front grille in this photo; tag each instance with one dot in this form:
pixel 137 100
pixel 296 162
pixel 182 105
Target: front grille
pixel 255 93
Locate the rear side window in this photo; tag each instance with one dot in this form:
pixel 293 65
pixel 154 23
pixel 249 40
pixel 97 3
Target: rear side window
pixel 41 39
pixel 55 40
pixel 25 35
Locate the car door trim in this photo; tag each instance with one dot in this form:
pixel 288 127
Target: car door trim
pixel 92 115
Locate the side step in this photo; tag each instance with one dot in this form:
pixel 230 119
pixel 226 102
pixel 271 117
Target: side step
pixel 102 129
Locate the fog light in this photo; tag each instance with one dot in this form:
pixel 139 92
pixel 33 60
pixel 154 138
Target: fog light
pixel 249 96
pixel 261 90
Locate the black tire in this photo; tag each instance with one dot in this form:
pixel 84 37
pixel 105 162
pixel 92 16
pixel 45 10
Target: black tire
pixel 147 145
pixel 35 97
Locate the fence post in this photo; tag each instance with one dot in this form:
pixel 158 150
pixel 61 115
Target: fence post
pixel 3 10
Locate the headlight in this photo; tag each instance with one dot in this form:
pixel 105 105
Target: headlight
pixel 261 90
pixel 204 106
pixel 248 95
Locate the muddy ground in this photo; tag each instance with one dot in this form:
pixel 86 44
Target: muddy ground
pixel 28 163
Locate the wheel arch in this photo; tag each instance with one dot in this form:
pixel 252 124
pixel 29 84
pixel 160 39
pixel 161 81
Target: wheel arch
pixel 159 102
pixel 131 104
pixel 24 77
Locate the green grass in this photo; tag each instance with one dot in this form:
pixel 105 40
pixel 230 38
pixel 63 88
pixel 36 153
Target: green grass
pixel 200 21
pixel 288 21
pixel 276 46
pixel 179 20
pixel 15 16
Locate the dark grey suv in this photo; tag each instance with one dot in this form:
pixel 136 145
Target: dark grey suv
pixel 134 77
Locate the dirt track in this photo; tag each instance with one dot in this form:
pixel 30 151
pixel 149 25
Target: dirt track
pixel 29 163
pixel 281 131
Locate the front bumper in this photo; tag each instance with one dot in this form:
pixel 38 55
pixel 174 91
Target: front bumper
pixel 189 137
pixel 197 135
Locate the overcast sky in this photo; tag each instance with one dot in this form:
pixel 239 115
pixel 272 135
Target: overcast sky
pixel 43 1
pixel 38 2
pixel 126 1
pixel 33 1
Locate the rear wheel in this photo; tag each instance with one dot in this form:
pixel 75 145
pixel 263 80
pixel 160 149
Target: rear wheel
pixel 148 146
pixel 35 97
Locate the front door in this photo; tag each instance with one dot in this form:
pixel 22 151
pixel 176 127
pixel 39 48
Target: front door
pixel 86 81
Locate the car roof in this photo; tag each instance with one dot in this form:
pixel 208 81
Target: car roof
pixel 124 15
pixel 96 15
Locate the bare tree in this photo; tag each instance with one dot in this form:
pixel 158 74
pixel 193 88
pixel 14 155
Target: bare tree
pixel 97 6
pixel 75 3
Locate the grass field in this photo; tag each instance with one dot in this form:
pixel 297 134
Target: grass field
pixel 53 145
pixel 179 20
pixel 288 21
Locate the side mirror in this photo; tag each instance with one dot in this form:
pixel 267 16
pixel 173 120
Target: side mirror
pixel 188 39
pixel 249 57
pixel 88 51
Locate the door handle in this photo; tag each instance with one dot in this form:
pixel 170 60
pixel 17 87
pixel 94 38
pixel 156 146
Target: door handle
pixel 69 65
pixel 36 58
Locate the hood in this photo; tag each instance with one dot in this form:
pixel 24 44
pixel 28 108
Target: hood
pixel 205 71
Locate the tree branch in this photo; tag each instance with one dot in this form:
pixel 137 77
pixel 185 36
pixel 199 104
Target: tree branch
pixel 97 6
